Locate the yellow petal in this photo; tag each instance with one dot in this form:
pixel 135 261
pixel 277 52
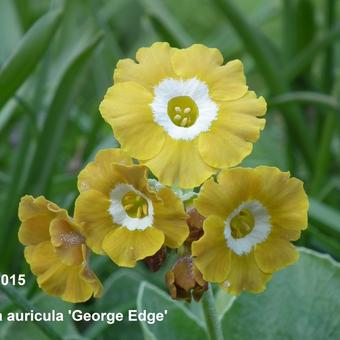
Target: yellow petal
pixel 275 253
pixel 154 65
pixel 196 61
pixel 80 284
pixel 284 198
pixel 231 137
pixel 126 107
pixel 98 174
pixel 179 163
pixel 91 211
pixel 227 82
pixel 170 218
pixel 35 215
pixel 225 196
pixel 41 257
pixel 71 283
pixel 135 175
pixel 245 275
pixel 125 247
pixel 67 241
pixel 212 257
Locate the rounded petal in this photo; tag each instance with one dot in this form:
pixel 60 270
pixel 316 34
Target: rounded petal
pixel 284 197
pixel 196 61
pixel 170 218
pixel 35 215
pixel 67 241
pixel 126 107
pixel 91 212
pixel 81 284
pixel 153 65
pixel 179 163
pixel 245 274
pixel 275 253
pixel 126 247
pixel 227 82
pixel 135 175
pixel 223 197
pixel 98 174
pixel 41 257
pixel 212 257
pixel 70 283
pixel 231 137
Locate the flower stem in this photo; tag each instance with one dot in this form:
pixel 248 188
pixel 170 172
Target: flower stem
pixel 211 319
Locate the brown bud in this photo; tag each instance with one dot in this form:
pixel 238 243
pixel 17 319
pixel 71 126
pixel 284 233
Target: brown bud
pixel 195 222
pixel 185 281
pixel 154 262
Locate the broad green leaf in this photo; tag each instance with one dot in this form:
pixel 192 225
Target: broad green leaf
pixel 120 294
pixel 301 302
pixel 24 305
pixel 115 298
pixel 178 323
pixel 27 55
pixel 29 330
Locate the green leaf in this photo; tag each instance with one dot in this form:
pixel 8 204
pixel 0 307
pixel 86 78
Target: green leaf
pixel 166 23
pixel 323 100
pixel 325 214
pixel 27 55
pixel 301 302
pixel 24 305
pixel 309 53
pixel 57 117
pixel 37 173
pixel 257 45
pixel 116 299
pixel 178 323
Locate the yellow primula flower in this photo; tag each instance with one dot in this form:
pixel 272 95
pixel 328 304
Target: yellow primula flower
pixel 121 215
pixel 252 215
pixel 182 112
pixel 56 251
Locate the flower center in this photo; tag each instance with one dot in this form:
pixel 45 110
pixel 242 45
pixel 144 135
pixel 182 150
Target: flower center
pixel 183 108
pixel 242 224
pixel 182 111
pixel 249 224
pixel 135 205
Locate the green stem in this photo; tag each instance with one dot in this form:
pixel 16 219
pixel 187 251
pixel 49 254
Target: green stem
pixel 209 310
pixel 21 302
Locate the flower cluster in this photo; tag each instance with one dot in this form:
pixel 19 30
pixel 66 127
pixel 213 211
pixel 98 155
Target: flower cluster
pixel 189 119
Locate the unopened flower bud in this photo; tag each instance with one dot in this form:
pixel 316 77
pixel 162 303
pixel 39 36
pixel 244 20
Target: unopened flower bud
pixel 184 280
pixel 154 262
pixel 195 222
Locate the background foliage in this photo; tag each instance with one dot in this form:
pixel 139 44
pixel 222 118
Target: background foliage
pixel 57 59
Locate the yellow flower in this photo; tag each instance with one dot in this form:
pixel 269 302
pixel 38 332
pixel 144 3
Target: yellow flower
pixel 121 216
pixel 56 251
pixel 252 215
pixel 182 112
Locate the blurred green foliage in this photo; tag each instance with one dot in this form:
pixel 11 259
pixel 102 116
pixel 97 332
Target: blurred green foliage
pixel 57 59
